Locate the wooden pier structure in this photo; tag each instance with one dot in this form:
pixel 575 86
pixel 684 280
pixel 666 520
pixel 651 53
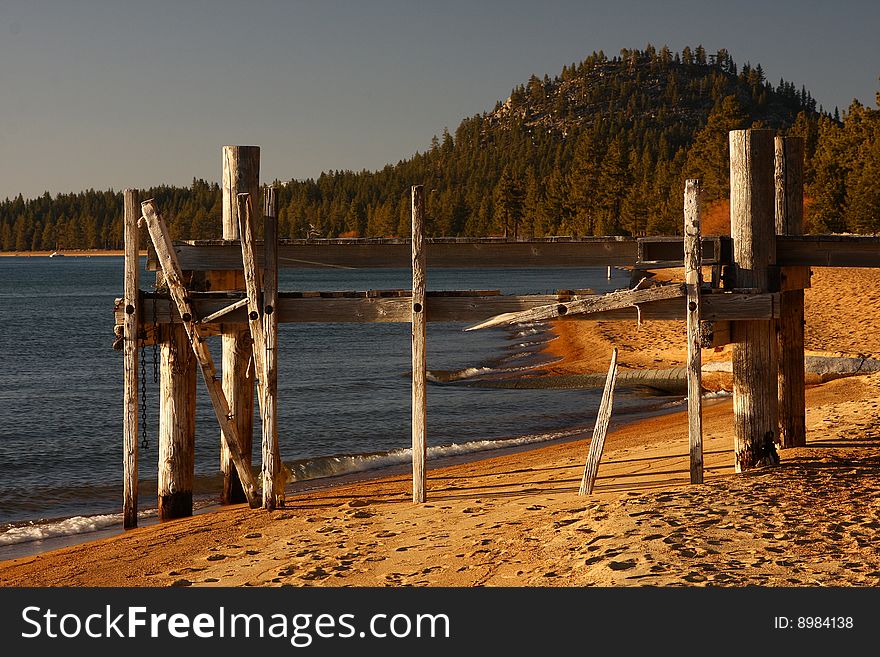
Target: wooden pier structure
pixel 229 287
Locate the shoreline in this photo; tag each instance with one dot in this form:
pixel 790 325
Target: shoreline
pixel 516 520
pixel 76 253
pixel 209 502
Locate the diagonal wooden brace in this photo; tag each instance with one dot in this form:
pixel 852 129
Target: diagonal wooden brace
pixel 174 279
pixel 610 301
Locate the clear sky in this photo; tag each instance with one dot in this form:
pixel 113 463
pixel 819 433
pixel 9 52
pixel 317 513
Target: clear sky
pixel 113 94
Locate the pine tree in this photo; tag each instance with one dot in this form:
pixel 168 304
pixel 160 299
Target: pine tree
pixel 708 159
pixel 508 199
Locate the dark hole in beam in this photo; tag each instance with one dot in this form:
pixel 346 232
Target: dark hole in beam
pixel 254 315
pixel 129 310
pixel 560 309
pixel 417 307
pixel 269 310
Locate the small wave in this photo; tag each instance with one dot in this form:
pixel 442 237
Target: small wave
pixel 41 530
pixel 66 527
pixel 445 376
pixel 329 466
pixel 534 343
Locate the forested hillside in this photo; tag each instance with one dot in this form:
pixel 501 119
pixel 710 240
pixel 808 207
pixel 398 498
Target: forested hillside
pixel 601 148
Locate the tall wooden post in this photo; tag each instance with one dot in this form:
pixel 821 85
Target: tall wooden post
pixel 177 423
pixel 790 221
pixel 754 249
pixel 273 486
pixel 130 334
pixel 694 279
pixel 241 174
pixel 419 346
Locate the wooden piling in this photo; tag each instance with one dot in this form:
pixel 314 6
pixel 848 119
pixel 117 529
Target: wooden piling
pixel 753 231
pixel 419 346
pixel 130 333
pixel 241 174
pixel 273 483
pixel 693 280
pixel 789 179
pixel 600 429
pixel 177 423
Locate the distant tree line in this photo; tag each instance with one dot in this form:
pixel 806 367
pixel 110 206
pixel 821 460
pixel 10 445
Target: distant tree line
pixel 602 148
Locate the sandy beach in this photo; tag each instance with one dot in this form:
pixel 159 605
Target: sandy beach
pixel 516 519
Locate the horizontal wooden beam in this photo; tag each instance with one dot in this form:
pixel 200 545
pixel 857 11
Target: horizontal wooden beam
pixel 457 253
pixel 827 251
pixel 480 252
pixel 364 309
pixel 453 252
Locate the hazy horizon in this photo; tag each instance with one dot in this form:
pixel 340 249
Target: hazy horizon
pixel 105 96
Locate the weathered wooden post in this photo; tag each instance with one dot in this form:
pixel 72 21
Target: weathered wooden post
pixel 790 221
pixel 130 334
pixel 273 485
pixel 754 249
pixel 693 269
pixel 177 423
pixel 419 347
pixel 241 174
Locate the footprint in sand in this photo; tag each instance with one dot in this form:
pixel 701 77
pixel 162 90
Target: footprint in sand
pixel 315 573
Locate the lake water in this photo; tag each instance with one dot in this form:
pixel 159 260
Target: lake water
pixel 344 389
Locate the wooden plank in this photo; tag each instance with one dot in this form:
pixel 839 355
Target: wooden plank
pixel 716 308
pixel 419 346
pixel 273 481
pixel 252 287
pixel 594 304
pixel 174 279
pixel 693 272
pixel 455 253
pixel 213 317
pixel 241 174
pixel 753 232
pixel 789 181
pixel 656 252
pixel 828 251
pixel 807 250
pixel 130 320
pixel 597 444
pixel 177 424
